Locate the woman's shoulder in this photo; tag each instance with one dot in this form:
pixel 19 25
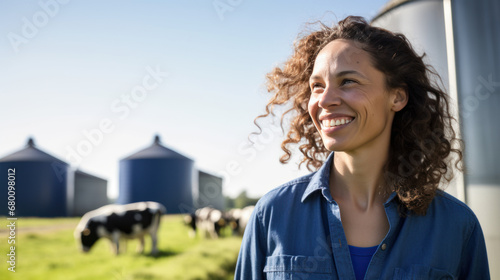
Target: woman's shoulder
pixel 446 208
pixel 285 193
pixel 448 203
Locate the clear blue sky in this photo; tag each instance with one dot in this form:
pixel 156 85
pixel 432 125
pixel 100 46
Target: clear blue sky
pixel 70 68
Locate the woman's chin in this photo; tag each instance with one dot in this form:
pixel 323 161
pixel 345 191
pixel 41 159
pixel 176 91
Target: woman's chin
pixel 334 146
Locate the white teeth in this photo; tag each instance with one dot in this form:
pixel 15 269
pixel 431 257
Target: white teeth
pixel 332 123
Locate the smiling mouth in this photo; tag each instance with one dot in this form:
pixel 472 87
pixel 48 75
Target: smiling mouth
pixel 336 122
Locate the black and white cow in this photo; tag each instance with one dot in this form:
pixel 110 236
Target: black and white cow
pixel 246 213
pixel 190 221
pixel 238 219
pixel 117 222
pixel 233 219
pixel 209 221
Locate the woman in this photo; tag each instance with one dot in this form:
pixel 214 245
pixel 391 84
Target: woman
pixel 379 133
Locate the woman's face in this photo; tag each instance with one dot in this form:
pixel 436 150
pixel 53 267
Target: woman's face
pixel 350 104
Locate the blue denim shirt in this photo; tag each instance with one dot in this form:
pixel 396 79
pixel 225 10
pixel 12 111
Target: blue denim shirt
pixel 295 232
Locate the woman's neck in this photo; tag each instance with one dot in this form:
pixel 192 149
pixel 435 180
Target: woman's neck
pixel 357 177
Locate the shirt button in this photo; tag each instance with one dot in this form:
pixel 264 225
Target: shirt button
pixel 383 247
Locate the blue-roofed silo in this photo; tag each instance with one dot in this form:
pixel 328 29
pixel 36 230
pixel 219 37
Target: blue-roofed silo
pixel 40 183
pixel 157 174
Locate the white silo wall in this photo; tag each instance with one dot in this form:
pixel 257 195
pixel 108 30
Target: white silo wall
pixel 90 193
pixel 423 23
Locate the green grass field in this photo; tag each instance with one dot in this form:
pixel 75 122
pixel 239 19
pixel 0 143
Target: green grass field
pixel 46 249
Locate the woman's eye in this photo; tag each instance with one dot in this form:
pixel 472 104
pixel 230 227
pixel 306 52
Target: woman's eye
pixel 317 86
pixel 347 81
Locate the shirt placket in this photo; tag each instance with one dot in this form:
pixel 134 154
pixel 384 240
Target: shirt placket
pixel 340 248
pixel 377 263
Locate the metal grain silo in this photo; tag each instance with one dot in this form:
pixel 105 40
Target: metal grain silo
pixel 210 191
pixel 157 174
pixel 462 40
pixel 425 25
pixel 90 193
pixel 40 183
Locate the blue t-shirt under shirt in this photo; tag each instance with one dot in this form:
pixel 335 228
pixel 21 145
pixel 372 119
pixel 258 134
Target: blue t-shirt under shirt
pixel 361 257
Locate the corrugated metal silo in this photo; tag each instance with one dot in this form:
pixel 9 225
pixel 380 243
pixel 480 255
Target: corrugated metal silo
pixel 40 183
pixel 210 191
pixel 157 174
pixel 90 193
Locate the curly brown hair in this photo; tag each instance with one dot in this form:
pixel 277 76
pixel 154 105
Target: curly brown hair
pixel 422 136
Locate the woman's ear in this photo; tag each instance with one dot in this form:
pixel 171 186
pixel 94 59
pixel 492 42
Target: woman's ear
pixel 399 99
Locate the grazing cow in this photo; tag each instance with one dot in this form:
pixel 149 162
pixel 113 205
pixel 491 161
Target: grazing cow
pixel 190 221
pixel 233 219
pixel 210 221
pixel 246 213
pixel 238 219
pixel 121 221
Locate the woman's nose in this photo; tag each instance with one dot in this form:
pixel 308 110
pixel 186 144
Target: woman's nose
pixel 330 97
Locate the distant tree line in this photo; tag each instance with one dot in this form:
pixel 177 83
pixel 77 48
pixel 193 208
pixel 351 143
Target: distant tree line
pixel 240 201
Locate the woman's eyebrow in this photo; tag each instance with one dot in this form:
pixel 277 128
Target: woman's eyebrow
pixel 350 72
pixel 339 74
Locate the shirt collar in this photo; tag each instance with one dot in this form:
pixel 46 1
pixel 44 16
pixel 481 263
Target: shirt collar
pixel 391 198
pixel 320 180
